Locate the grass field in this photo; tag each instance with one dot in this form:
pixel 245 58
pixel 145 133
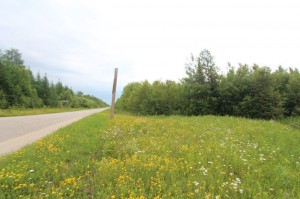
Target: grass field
pixel 293 122
pixel 158 157
pixel 19 112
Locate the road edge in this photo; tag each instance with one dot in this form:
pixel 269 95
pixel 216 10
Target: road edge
pixel 17 143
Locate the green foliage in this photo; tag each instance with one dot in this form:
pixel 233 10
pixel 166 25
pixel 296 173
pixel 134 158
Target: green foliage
pixel 3 101
pixel 20 89
pixel 16 83
pixel 293 96
pixel 263 99
pixel 254 92
pixel 201 85
pixel 14 57
pixel 87 101
pixel 158 98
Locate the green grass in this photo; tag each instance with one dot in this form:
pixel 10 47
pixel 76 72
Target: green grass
pixel 20 112
pixel 292 121
pixel 158 157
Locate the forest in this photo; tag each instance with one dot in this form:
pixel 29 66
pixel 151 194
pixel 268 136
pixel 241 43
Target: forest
pixel 252 92
pixel 19 88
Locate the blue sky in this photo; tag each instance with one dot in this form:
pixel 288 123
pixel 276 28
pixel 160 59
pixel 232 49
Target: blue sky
pixel 80 42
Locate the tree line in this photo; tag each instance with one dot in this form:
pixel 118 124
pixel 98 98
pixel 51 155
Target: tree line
pixel 19 88
pixel 253 92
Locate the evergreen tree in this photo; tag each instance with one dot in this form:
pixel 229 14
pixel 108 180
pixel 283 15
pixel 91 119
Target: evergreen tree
pixel 263 100
pixel 201 85
pixel 228 93
pixel 293 93
pixel 14 57
pixel 19 88
pixel 53 97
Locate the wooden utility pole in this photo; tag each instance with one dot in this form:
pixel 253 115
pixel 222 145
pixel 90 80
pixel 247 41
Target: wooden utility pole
pixel 112 108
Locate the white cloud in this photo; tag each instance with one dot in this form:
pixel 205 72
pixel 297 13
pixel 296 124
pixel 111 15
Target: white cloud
pixel 81 41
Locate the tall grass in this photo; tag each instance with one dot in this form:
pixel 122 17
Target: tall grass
pixel 158 157
pixel 292 121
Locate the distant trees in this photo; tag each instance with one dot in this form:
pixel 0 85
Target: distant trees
pixel 158 98
pixel 250 92
pixel 15 81
pixel 254 92
pixel 19 88
pixel 292 103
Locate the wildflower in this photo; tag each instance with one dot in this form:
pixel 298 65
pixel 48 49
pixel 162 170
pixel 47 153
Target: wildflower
pixel 261 158
pixel 204 170
pixel 235 183
pixel 196 183
pixel 224 184
pixel 207 195
pixel 31 171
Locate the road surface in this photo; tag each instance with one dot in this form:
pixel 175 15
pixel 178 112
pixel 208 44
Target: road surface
pixel 16 132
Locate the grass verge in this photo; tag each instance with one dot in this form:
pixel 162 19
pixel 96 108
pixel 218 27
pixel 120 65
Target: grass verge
pixel 20 112
pixel 158 157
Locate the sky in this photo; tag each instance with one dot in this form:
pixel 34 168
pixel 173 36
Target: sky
pixel 80 42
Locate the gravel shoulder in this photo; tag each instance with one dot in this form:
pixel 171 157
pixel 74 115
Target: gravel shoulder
pixel 16 132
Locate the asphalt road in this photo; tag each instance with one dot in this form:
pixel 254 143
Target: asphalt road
pixel 16 132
